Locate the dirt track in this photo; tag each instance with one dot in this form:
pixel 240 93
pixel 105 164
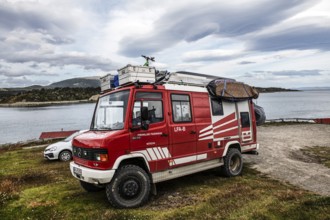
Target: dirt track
pixel 280 157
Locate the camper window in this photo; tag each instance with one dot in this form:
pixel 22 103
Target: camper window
pixel 245 119
pixel 216 107
pixel 181 108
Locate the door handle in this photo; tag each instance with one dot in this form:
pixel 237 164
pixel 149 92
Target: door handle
pixel 192 132
pixel 164 135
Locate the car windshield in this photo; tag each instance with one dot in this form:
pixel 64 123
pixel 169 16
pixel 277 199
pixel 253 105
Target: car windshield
pixel 110 111
pixel 71 137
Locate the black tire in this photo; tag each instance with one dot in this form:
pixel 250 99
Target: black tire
pixel 129 188
pixel 65 155
pixel 90 187
pixel 260 115
pixel 233 163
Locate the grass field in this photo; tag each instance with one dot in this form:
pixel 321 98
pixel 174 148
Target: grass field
pixel 32 188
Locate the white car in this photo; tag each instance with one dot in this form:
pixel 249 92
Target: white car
pixel 61 150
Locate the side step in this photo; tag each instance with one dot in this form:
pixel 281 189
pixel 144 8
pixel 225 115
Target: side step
pixel 186 170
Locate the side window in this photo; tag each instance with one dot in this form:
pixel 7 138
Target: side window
pixel 155 110
pixel 155 107
pixel 245 119
pixel 181 108
pixel 216 107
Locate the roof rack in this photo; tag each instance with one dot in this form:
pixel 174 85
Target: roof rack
pixel 143 75
pixel 190 78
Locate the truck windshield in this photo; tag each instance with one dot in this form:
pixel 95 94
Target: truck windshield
pixel 110 112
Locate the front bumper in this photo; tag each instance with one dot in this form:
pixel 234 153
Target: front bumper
pixel 49 156
pixel 91 175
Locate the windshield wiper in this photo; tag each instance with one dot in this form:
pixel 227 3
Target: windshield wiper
pixel 103 128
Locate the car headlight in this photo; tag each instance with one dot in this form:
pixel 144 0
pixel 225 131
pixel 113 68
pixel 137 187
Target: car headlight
pixel 52 148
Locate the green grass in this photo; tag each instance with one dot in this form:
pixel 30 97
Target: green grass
pixel 31 188
pixel 320 154
pixel 18 145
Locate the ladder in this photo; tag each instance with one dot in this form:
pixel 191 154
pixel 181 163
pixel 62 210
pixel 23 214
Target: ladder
pixel 190 78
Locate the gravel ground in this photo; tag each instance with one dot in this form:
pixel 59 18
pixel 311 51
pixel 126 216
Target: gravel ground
pixel 280 157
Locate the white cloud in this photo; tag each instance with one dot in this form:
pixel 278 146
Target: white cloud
pixel 212 55
pixel 42 41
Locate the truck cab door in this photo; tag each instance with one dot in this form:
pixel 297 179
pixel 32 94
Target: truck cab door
pixel 152 140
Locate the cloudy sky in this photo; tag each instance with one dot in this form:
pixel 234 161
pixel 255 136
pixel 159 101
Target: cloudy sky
pixel 282 43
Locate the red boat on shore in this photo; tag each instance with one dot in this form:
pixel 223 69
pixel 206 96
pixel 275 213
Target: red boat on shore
pixel 322 120
pixel 56 134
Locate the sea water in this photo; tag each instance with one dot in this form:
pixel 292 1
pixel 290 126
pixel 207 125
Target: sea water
pixel 25 123
pixel 302 104
pixel 20 124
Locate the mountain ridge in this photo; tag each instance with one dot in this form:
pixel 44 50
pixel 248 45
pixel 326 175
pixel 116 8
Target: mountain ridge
pixel 80 82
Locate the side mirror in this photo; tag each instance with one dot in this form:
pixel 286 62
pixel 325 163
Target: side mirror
pixel 145 125
pixel 142 118
pixel 145 118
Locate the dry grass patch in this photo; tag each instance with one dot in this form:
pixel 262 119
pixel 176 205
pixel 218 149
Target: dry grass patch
pixel 319 154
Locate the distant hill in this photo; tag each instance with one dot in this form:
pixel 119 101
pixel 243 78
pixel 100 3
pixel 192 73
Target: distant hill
pixel 275 89
pixel 33 87
pixel 90 82
pixel 82 82
pixel 70 89
pixel 314 88
pixel 49 94
pixel 65 90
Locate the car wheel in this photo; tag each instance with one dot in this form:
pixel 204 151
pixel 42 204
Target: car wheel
pixel 233 163
pixel 129 188
pixel 65 156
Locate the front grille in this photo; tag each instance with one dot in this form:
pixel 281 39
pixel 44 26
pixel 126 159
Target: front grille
pixel 87 153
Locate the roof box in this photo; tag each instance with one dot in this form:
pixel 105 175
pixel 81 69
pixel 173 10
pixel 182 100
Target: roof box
pixel 131 74
pixel 107 82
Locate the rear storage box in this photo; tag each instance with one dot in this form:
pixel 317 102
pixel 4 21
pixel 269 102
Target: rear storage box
pixel 107 82
pixel 130 74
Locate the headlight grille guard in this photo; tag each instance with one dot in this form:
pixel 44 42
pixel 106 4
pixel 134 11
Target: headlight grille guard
pixel 87 153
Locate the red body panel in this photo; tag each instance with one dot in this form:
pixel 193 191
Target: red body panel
pixel 117 143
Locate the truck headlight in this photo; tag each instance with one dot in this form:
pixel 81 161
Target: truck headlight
pixel 101 157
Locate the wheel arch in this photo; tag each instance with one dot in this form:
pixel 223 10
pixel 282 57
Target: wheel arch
pixel 134 159
pixel 65 149
pixel 231 144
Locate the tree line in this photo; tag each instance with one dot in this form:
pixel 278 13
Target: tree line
pixel 46 95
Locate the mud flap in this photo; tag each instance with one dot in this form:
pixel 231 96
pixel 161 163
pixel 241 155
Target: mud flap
pixel 153 189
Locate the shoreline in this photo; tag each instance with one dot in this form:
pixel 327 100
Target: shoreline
pixel 43 104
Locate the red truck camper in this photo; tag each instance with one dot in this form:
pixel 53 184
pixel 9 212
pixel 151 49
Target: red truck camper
pixel 145 133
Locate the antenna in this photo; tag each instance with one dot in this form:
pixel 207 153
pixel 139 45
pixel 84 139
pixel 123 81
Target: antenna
pixel 147 60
